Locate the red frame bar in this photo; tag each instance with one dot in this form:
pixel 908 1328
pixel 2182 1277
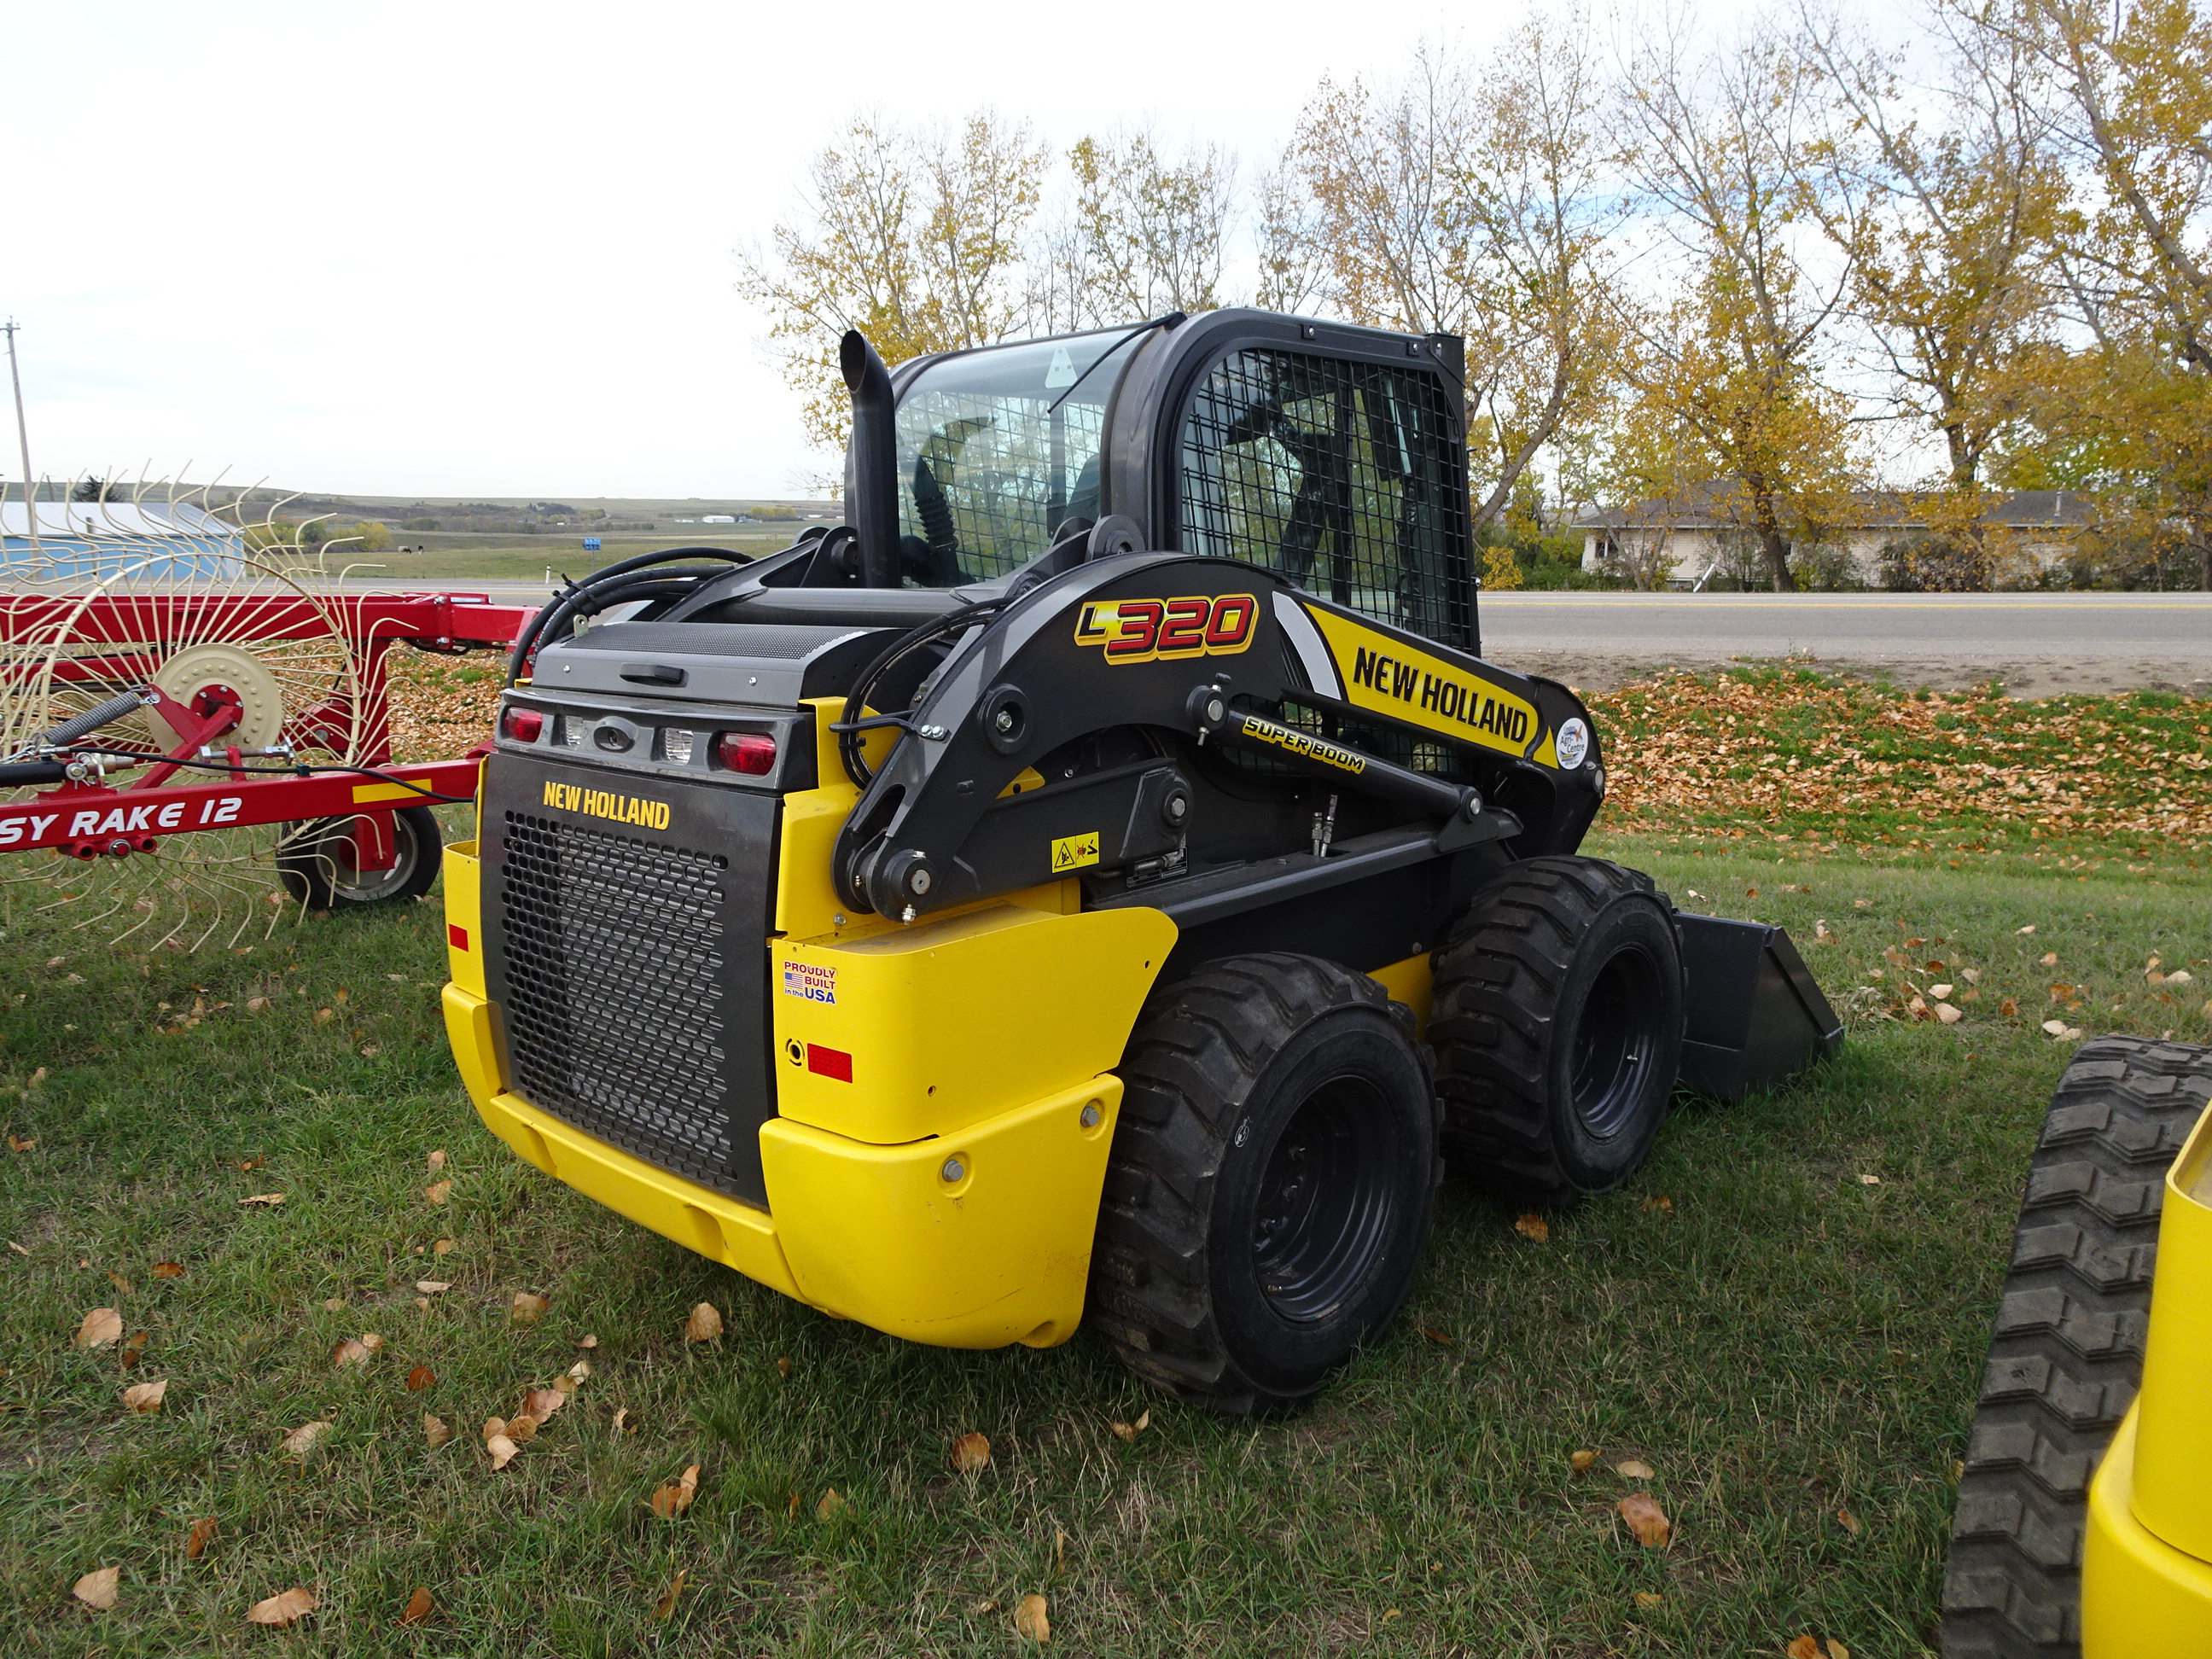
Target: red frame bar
pixel 60 817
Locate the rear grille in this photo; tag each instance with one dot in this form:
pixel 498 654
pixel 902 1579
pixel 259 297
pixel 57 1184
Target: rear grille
pixel 613 958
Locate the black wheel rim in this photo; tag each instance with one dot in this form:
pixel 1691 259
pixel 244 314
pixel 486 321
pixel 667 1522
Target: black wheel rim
pixel 1613 1043
pixel 1323 1210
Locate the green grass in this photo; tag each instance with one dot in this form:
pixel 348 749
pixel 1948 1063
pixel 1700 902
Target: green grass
pixel 1784 1342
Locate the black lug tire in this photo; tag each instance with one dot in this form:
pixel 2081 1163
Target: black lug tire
pixel 2067 1355
pixel 313 867
pixel 1557 1023
pixel 1277 1116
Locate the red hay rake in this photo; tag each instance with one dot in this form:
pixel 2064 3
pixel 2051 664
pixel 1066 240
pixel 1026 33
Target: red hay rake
pixel 151 738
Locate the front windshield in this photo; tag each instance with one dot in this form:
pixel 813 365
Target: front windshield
pixel 996 448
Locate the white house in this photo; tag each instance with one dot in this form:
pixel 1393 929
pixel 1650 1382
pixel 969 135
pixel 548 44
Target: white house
pixel 1686 539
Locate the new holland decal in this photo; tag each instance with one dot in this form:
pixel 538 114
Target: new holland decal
pixel 1391 677
pixel 1157 630
pixel 602 804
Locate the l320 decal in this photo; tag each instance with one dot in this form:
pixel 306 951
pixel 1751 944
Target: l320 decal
pixel 1154 631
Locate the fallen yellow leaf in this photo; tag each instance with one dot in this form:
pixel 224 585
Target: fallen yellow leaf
pixel 520 1430
pixel 1648 1599
pixel 783 1366
pixel 672 1498
pixel 418 1608
pixel 168 1270
pixel 1030 1620
pixel 100 1329
pixel 667 1605
pixel 704 1325
pixel 1803 1647
pixel 528 1309
pixel 1442 1339
pixel 433 1287
pixel 971 1453
pixel 576 1373
pixel 1635 1469
pixel 266 1200
pixel 357 1350
pixel 1837 1650
pixel 443 1246
pixel 1949 1015
pixel 286 1607
pixel 502 1449
pixel 302 1440
pixel 436 1430
pixel 201 1534
pixel 1533 1226
pixel 587 1341
pixel 1131 1431
pixel 99 1589
pixel 145 1396
pixel 1646 1520
pixel 1848 1522
pixel 255 1005
pixel 134 1346
pixel 830 1505
pixel 1581 1461
pixel 541 1403
pixel 436 1191
pixel 622 1423
pixel 436 1162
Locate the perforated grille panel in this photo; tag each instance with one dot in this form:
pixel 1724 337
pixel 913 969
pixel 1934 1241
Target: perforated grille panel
pixel 614 957
pixel 1348 477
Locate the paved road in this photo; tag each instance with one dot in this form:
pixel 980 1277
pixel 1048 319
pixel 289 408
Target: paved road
pixel 2036 643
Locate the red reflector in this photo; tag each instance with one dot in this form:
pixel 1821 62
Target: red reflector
pixel 457 936
pixel 747 751
pixel 829 1062
pixel 523 724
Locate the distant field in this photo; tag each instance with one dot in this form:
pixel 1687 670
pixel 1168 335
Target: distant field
pixel 449 557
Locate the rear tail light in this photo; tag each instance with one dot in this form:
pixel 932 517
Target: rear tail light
pixel 523 724
pixel 746 751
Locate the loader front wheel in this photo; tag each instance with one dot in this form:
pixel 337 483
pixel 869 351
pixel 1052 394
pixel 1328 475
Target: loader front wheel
pixel 1557 1021
pixel 1271 1183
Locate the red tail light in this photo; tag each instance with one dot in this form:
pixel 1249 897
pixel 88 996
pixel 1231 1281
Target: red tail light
pixel 746 751
pixel 523 724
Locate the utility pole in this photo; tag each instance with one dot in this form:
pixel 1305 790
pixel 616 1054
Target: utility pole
pixel 23 438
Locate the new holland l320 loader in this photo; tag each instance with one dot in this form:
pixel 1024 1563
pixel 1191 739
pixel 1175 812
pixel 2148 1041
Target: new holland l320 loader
pixel 1102 880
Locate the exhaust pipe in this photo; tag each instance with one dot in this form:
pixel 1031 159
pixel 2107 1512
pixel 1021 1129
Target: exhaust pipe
pixel 872 461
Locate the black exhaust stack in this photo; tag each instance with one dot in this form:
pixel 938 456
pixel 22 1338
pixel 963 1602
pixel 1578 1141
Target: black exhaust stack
pixel 872 461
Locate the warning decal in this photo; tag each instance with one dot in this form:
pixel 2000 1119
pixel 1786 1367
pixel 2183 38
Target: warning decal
pixel 1073 852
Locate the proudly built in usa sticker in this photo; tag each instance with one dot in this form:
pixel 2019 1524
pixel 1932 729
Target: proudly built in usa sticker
pixel 811 983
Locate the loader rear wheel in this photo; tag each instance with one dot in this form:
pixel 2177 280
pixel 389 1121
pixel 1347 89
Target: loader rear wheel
pixel 1272 1183
pixel 2067 1355
pixel 1557 1021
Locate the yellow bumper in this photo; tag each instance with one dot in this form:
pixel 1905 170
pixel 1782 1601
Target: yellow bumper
pixel 876 1234
pixel 2140 1596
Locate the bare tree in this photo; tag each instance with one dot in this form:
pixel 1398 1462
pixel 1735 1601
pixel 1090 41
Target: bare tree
pixel 1143 233
pixel 1479 200
pixel 1947 228
pixel 915 238
pixel 1728 146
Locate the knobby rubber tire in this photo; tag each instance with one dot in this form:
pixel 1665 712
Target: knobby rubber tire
pixel 309 872
pixel 2066 1359
pixel 1556 947
pixel 1218 1069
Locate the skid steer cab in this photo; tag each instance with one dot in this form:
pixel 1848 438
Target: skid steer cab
pixel 1100 880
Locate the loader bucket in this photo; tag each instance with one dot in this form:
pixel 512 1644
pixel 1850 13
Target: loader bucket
pixel 1754 1016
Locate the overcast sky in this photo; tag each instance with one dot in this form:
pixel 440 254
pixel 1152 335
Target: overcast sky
pixel 487 248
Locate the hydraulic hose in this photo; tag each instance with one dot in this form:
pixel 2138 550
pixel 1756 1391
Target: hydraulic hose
pixel 848 729
pixel 568 603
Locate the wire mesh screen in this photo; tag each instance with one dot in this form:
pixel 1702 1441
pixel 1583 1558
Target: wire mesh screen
pixel 1347 478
